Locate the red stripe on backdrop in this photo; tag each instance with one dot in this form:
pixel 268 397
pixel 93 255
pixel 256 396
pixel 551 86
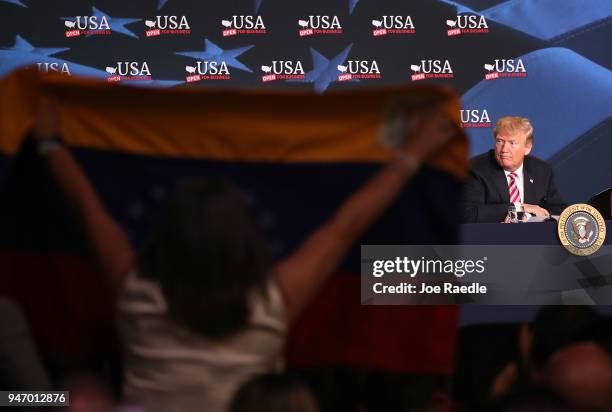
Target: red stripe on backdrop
pixel 69 309
pixel 337 330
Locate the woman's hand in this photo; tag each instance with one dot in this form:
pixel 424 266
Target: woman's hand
pixel 46 124
pixel 429 131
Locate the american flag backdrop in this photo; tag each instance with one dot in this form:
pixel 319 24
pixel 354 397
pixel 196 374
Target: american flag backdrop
pixel 565 89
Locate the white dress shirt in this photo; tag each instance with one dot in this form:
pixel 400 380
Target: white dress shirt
pixel 520 183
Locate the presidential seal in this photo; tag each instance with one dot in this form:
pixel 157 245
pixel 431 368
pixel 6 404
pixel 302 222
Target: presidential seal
pixel 582 229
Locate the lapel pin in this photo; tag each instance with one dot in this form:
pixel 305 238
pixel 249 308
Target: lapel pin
pixel 530 180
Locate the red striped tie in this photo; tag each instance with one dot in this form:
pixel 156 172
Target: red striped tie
pixel 513 189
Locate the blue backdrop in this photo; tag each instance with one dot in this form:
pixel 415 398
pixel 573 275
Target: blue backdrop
pixel 548 60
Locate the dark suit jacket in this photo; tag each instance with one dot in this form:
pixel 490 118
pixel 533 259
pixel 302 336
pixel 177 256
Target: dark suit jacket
pixel 487 198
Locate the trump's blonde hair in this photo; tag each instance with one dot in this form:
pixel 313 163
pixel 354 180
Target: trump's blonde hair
pixel 513 124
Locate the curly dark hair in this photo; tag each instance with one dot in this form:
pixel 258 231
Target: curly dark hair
pixel 206 252
pixel 273 393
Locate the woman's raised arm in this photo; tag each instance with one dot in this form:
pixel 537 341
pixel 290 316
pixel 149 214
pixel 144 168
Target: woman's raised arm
pixel 107 240
pixel 301 274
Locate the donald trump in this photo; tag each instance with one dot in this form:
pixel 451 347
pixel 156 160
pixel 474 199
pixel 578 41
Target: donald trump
pixel 507 175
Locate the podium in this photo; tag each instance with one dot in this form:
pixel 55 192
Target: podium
pixel 603 203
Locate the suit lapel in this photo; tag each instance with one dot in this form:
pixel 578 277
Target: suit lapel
pixel 528 182
pixel 499 180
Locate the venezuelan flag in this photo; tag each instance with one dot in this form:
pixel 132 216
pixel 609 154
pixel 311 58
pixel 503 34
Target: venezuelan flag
pixel 295 155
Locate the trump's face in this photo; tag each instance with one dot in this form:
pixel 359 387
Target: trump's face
pixel 511 149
